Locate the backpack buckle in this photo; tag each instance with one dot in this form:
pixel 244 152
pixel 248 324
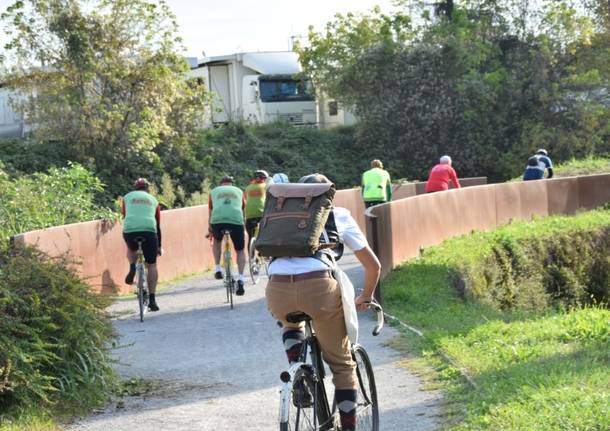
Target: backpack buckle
pixel 308 200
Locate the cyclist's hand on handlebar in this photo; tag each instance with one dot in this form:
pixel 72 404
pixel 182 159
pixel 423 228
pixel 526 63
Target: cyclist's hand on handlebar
pixel 362 302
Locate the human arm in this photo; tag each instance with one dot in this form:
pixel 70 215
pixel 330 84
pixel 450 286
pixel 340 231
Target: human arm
pixel 372 270
pixel 454 178
pixel 210 208
pixel 158 219
pixel 550 171
pixel 362 185
pixel 388 187
pixel 122 207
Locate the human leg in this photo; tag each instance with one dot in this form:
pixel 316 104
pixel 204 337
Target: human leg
pixel 321 299
pixel 239 242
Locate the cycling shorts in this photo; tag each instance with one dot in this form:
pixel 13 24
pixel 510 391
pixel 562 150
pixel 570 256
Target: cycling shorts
pixel 251 224
pixel 150 246
pixel 237 233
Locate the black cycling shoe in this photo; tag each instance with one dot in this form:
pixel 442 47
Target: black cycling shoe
pixel 240 288
pixel 130 275
pixel 152 306
pixel 218 275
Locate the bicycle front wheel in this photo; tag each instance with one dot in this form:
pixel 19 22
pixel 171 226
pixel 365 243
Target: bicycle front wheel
pixel 142 300
pixel 302 404
pixel 367 409
pixel 254 262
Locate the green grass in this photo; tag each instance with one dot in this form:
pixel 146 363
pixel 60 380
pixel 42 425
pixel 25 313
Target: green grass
pixel 534 368
pixel 35 423
pixel 588 166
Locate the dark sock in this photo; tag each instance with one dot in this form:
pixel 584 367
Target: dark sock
pixel 293 341
pixel 151 298
pixel 346 402
pixel 132 267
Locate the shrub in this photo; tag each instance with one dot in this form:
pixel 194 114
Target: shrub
pixel 61 196
pixel 555 261
pixel 54 335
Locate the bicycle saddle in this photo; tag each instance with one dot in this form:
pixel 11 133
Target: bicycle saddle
pixel 140 239
pixel 297 317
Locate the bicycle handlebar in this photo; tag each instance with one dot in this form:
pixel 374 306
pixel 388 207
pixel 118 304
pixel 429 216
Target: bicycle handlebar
pixel 374 305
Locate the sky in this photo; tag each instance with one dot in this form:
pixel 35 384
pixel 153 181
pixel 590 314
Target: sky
pixel 221 27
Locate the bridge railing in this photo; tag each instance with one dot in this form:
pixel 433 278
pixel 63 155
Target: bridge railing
pixel 400 229
pixel 99 251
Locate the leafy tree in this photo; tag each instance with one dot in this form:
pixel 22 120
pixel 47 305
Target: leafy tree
pixel 103 77
pixel 486 81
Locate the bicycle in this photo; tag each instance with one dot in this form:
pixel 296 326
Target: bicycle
pixel 229 280
pixel 303 401
pixel 255 260
pixel 142 281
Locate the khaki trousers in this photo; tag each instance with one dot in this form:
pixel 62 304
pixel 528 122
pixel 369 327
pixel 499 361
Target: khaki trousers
pixel 320 298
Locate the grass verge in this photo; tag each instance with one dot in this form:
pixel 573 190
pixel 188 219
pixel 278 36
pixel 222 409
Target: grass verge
pixel 541 366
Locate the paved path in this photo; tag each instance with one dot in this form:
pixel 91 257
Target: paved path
pixel 219 368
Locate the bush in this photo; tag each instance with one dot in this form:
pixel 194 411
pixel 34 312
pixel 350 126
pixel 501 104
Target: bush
pixel 54 335
pixel 556 261
pixel 61 196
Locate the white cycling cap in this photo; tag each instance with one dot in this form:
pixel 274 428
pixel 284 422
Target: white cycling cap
pixel 446 160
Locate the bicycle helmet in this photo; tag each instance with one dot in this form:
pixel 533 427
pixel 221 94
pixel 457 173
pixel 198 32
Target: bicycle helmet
pixel 261 174
pixel 280 178
pixel 542 151
pixel 226 179
pixel 141 184
pixel 314 179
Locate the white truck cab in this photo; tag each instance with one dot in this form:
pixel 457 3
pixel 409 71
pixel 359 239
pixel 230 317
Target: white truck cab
pixel 260 87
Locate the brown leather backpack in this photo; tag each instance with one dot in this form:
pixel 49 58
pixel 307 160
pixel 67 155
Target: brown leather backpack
pixel 293 220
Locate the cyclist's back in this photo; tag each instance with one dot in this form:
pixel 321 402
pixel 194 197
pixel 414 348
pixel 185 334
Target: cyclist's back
pixel 142 219
pixel 255 201
pixel 306 284
pixel 226 204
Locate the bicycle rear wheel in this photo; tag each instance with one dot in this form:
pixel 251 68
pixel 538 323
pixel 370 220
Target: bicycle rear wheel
pixel 302 404
pixel 142 300
pixel 367 409
pixel 254 262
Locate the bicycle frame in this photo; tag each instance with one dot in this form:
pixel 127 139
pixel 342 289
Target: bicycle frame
pixel 325 416
pixel 228 265
pixel 142 281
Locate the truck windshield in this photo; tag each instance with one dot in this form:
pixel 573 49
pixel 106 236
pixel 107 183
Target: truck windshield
pixel 285 90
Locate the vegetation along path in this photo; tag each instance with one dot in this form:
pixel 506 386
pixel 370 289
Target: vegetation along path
pixel 209 368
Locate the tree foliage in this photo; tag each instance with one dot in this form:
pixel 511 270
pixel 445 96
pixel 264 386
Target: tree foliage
pixel 485 81
pixel 104 77
pixel 61 196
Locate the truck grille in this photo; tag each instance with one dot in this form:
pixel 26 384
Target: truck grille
pixel 296 118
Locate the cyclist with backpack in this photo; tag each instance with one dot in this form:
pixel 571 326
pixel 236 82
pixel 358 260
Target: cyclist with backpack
pixel 226 205
pixel 536 165
pixel 301 275
pixel 142 215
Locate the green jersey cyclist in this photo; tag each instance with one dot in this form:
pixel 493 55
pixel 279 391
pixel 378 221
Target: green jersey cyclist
pixel 255 200
pixel 142 215
pixel 226 204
